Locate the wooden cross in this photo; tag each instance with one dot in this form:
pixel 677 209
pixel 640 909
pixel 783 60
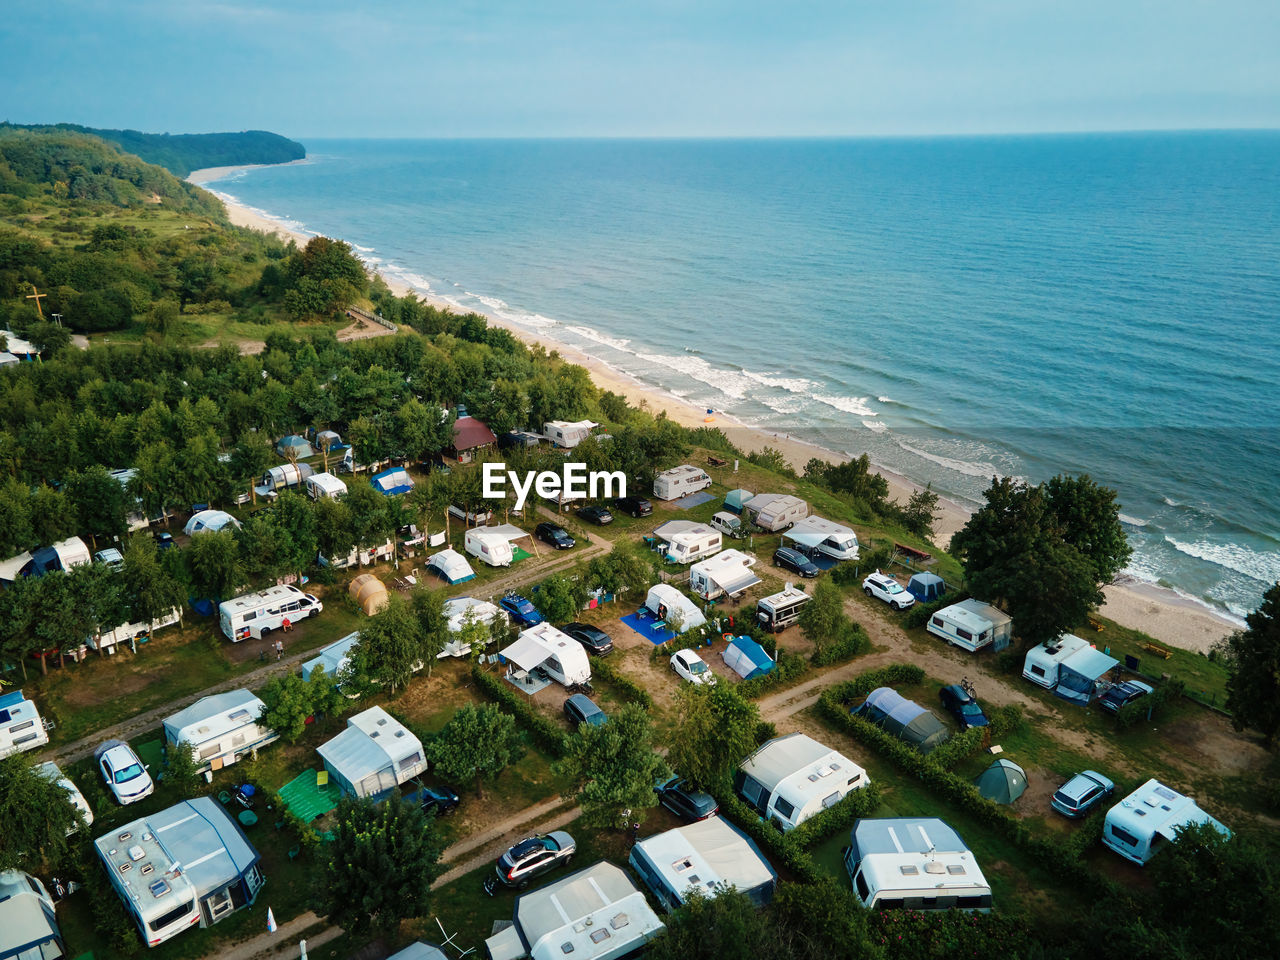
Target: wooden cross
pixel 37 296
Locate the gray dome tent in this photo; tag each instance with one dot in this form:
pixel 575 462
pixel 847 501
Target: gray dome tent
pixel 903 718
pixel 1003 781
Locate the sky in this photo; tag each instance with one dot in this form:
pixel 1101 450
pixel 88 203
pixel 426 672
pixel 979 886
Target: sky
pixel 556 68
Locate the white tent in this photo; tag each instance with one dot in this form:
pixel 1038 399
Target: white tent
pixel 451 566
pixel 667 603
pixel 209 521
pixel 373 755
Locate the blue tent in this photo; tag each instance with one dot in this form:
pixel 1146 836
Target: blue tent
pixel 926 586
pixel 296 446
pixel 734 499
pixel 393 481
pixel 747 658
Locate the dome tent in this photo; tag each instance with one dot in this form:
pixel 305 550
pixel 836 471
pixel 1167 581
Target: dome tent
pixel 1002 782
pixel 926 586
pixel 369 592
pixel 903 718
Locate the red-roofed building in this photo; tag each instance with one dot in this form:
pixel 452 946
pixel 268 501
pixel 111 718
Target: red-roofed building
pixel 469 436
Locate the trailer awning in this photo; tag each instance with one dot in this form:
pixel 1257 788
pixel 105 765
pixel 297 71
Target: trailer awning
pixel 738 581
pixel 1079 672
pixel 805 538
pixel 526 653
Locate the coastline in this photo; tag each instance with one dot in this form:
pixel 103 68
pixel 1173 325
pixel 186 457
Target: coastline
pixel 1156 610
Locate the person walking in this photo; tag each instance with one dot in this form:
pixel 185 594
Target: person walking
pixel 279 649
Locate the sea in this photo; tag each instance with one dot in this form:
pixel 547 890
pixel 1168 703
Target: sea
pixel 959 308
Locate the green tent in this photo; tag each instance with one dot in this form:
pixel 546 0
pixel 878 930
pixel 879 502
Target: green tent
pixel 1002 782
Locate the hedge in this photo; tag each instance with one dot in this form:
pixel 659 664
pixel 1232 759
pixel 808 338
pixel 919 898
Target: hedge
pixel 630 690
pixel 786 668
pixel 853 643
pixel 1006 720
pixel 861 803
pixel 541 727
pixel 959 748
pixel 895 674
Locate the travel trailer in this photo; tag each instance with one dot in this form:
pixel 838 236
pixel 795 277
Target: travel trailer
pixel 128 633
pixel 1069 666
pixel 780 610
pixel 705 857
pixel 257 614
pixel 791 778
pixel 727 574
pixel 670 605
pixel 28 923
pixel 814 535
pixel 487 547
pixel 900 863
pixel 53 773
pixel 463 610
pixel 285 475
pixel 680 482
pixel 21 726
pixel 1141 824
pixel 543 647
pixel 325 486
pixel 687 541
pixel 972 625
pixel 568 435
pixel 189 865
pixel 775 511
pixel 62 555
pixel 220 729
pixel 729 524
pixel 373 755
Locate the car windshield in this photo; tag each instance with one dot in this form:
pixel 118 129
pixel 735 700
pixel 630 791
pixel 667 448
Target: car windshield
pixel 697 666
pixel 893 586
pixel 971 709
pixel 131 772
pixel 524 606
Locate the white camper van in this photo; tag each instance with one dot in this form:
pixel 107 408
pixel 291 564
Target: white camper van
pixel 729 524
pixel 558 655
pixel 1145 821
pixel 726 574
pixel 972 625
pixel 780 610
pixel 463 611
pixel 775 511
pixel 819 535
pixel 488 547
pixel 680 482
pixel 687 541
pixel 21 726
pixel 916 864
pixel 257 614
pixel 322 486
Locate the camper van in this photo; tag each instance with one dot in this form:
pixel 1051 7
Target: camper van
pixel 220 729
pixel 775 511
pixel 727 574
pixel 21 726
pixel 687 541
pixel 729 525
pixel 1145 821
pixel 488 547
pixel 818 535
pixel 780 610
pixel 680 482
pixel 257 614
pixel 914 864
pixel 972 625
pixel 325 486
pixel 793 777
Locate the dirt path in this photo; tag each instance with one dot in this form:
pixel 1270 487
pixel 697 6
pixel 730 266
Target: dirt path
pixel 486 847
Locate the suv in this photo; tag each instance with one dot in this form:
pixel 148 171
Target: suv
pixel 686 803
pixel 596 515
pixel 887 589
pixel 957 702
pixel 580 709
pixel 593 638
pixel 1081 794
pixel 634 506
pixel 795 561
pixel 521 610
pixel 124 773
pixel 535 856
pixel 1123 693
pixel 558 537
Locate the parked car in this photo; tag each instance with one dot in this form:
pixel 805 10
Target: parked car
pixel 165 541
pixel 1123 693
pixel 593 638
pixel 441 801
pixel 597 515
pixel 887 589
pixel 524 613
pixel 1082 793
pixel 111 557
pixel 796 562
pixel 692 667
pixel 558 537
pixel 535 856
pixel 634 506
pixel 962 706
pixel 125 775
pixel 580 709
pixel 686 803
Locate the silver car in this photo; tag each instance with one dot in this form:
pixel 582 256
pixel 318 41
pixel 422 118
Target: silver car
pixel 1082 793
pixel 535 856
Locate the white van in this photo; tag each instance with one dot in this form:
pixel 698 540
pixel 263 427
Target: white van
pixel 780 610
pixel 680 482
pixel 489 547
pixel 257 614
pixel 729 524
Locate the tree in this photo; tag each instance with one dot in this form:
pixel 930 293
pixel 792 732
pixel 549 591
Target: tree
pixel 726 926
pixel 1088 518
pixel 717 729
pixel 921 511
pixel 390 646
pixel 612 766
pixel 149 581
pixel 823 618
pixel 370 520
pixel 1252 658
pixel 383 859
pixel 297 515
pixel 100 502
pixel 621 571
pixel 36 813
pixel 559 598
pixel 856 479
pixel 213 564
pixel 182 769
pixel 477 743
pixel 287 702
pixel 52 518
pixel 15 517
pixel 433 625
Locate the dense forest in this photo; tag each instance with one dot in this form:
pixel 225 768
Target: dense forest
pixel 181 153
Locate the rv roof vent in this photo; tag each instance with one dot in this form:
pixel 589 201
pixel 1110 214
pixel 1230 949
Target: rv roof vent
pixel 955 869
pixel 1140 813
pixel 566 947
pixel 374 734
pixel 146 868
pixel 682 864
pixel 147 837
pixel 136 853
pixel 694 879
pixel 382 721
pixel 933 866
pixel 620 921
pixel 399 733
pixel 126 867
pixel 834 767
pixel 813 778
pixel 126 836
pixel 908 870
pixel 1165 793
pixel 159 888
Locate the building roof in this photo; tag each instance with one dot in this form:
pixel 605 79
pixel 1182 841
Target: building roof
pixel 702 855
pixel 212 716
pixel 470 434
pixel 373 741
pixel 27 917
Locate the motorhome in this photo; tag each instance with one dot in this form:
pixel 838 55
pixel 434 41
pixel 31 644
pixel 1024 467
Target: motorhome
pixel 1141 824
pixel 972 625
pixel 727 574
pixel 567 435
pixel 686 541
pixel 780 610
pixel 21 726
pixel 728 524
pixel 775 511
pixel 793 777
pixel 220 729
pixel 813 535
pixel 325 486
pixel 544 648
pixel 257 614
pixel 680 482
pixel 914 864
pixel 1069 666
pixel 487 547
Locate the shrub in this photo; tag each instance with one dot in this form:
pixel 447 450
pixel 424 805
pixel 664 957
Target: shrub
pixel 630 690
pixel 959 748
pixel 1010 661
pixel 689 640
pixel 766 731
pixel 852 642
pixel 1006 720
pixel 919 615
pixel 1134 713
pixel 788 666
pixel 543 730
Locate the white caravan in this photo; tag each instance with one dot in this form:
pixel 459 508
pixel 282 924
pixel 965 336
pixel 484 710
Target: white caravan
pixel 680 482
pixel 52 772
pixel 558 655
pixel 108 640
pixel 727 574
pixel 21 726
pixel 1141 824
pixel 1042 662
pixel 775 511
pixel 914 864
pixel 220 729
pixel 819 535
pixel 780 610
pixel 257 614
pixel 687 541
pixel 487 547
pixel 793 777
pixel 464 611
pixel 568 435
pixel 325 486
pixel 972 625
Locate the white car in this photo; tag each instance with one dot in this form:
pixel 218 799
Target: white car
pixel 124 773
pixel 51 771
pixel 887 589
pixel 692 667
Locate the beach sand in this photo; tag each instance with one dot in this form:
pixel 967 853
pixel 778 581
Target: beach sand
pixel 1155 610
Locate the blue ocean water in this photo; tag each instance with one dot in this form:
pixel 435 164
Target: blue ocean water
pixel 956 307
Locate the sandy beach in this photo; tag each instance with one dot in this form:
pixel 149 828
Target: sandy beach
pixel 1160 612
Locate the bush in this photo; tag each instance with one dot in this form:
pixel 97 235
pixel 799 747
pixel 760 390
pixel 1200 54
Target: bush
pixel 788 666
pixel 852 642
pixel 959 748
pixel 766 731
pixel 1010 661
pixel 1134 713
pixel 630 690
pixel 543 730
pixel 689 640
pixel 919 615
pixel 1006 720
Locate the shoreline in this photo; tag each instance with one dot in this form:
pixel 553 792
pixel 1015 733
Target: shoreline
pixel 1159 611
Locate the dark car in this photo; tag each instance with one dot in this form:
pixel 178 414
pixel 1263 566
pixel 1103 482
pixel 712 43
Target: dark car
pixel 1082 793
pixel 634 506
pixel 441 801
pixel 521 610
pixel 962 706
pixel 165 541
pixel 593 638
pixel 534 856
pixel 1123 693
pixel 581 709
pixel 597 515
pixel 558 537
pixel 795 561
pixel 687 804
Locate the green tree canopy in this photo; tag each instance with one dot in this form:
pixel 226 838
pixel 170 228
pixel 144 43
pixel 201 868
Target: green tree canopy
pixel 613 766
pixel 390 647
pixel 1252 658
pixel 36 813
pixel 213 564
pixel 476 744
pixel 717 729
